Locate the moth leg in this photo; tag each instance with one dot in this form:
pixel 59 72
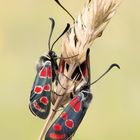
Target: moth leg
pixel 67 77
pixel 57 93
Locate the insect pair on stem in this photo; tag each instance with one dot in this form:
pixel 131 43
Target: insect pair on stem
pixel 47 73
pixel 69 120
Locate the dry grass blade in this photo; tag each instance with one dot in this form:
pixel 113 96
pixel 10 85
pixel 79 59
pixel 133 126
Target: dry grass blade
pixel 89 25
pixel 104 10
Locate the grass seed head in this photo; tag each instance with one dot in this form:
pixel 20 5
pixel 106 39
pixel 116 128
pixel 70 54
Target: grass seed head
pixel 89 25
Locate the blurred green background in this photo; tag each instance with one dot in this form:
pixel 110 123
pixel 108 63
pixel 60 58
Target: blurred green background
pixel 114 113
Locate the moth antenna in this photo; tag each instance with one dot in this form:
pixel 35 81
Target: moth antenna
pixel 66 29
pixel 64 9
pixel 52 28
pixel 112 66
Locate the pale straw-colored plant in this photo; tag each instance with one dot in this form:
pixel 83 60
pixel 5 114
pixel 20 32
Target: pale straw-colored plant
pixel 89 25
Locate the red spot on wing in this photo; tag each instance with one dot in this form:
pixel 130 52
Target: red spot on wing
pixel 36 106
pixel 44 100
pixel 69 123
pixel 57 136
pixel 64 116
pixel 85 73
pixel 74 101
pixel 76 104
pixel 57 127
pixel 38 89
pixel 77 107
pixel 43 72
pixel 61 66
pixel 47 87
pixel 85 70
pixel 49 72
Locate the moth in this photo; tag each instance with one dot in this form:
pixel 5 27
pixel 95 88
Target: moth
pixel 47 73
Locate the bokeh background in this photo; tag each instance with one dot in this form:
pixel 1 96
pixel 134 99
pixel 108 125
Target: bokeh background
pixel 114 113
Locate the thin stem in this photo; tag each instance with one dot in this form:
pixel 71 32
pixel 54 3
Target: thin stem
pixel 63 58
pixel 43 132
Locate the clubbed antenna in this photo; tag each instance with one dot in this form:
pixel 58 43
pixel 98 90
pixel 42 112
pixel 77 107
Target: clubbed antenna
pixel 52 28
pixel 66 29
pixel 112 66
pixel 64 9
pixel 50 36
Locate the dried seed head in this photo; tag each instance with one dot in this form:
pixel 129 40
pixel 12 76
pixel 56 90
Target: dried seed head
pixel 89 25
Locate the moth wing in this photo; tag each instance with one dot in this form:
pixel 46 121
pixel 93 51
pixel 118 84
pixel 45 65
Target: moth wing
pixel 40 97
